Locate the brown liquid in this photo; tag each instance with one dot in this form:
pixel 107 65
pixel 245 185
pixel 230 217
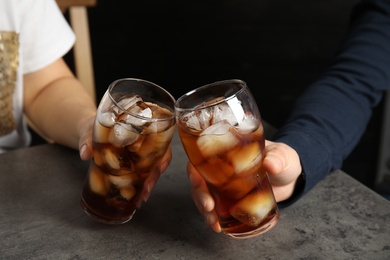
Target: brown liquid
pixel 244 200
pixel 118 171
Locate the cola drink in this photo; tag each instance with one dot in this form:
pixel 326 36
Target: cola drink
pixel 224 140
pixel 131 134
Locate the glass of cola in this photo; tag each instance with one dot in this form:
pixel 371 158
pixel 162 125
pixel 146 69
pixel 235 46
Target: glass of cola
pixel 221 130
pixel 133 128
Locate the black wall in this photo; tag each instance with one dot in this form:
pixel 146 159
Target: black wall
pixel 277 47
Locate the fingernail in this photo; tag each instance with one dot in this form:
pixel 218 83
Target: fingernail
pixel 148 188
pixel 146 197
pixel 82 149
pixel 204 199
pixel 164 166
pixel 204 202
pixel 210 218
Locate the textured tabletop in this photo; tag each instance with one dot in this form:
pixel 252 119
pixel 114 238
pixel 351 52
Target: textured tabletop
pixel 41 218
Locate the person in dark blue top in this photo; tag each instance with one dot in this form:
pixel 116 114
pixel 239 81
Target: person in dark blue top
pixel 330 117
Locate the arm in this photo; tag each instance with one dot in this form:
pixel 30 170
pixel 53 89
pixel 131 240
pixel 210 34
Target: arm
pixel 331 116
pixel 57 103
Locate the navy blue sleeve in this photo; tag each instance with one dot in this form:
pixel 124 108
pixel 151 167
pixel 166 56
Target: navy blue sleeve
pixel 331 116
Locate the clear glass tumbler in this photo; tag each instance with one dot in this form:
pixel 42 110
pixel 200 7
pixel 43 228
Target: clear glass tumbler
pixel 133 129
pixel 221 131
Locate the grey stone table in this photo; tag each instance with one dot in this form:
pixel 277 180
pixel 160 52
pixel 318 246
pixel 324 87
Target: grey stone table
pixel 41 218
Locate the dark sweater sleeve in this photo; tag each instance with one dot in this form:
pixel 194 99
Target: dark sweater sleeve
pixel 330 117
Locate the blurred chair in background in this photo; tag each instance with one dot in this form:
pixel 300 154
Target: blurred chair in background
pixel 78 19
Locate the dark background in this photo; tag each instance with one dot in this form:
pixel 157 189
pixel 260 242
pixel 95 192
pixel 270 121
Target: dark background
pixel 277 47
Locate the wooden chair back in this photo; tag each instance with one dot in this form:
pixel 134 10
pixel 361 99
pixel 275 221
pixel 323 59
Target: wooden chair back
pixel 78 19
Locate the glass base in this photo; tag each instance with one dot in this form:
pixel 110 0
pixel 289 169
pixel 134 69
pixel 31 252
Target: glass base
pixel 102 219
pixel 261 230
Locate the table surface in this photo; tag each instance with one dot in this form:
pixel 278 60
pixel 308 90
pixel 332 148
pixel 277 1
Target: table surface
pixel 41 218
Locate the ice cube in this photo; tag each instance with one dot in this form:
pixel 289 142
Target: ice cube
pixel 155 144
pixel 223 112
pixel 259 133
pixel 216 139
pixel 138 116
pixel 97 181
pixel 97 158
pixel 106 119
pixel 199 119
pixel 253 208
pixel 134 147
pixel 157 127
pixel 128 192
pixel 236 107
pixel 153 148
pixel 122 135
pixel 123 181
pixel 248 124
pixel 239 185
pixel 204 117
pixel 220 128
pixel 110 159
pixel 145 163
pixel 142 109
pixel 246 158
pixel 159 112
pixel 146 112
pixel 192 121
pixel 101 133
pixel 126 103
pixel 215 171
pixel 160 138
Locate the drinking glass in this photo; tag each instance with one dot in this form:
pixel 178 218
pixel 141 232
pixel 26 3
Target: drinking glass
pixel 133 128
pixel 221 131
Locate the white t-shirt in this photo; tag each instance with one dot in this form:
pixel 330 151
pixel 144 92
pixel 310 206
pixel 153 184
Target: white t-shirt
pixel 44 36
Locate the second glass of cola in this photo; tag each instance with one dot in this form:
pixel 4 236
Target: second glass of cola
pixel 222 133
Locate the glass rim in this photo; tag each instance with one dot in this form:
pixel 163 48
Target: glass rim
pixel 115 82
pixel 199 106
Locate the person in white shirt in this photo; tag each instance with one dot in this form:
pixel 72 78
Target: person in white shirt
pixel 35 82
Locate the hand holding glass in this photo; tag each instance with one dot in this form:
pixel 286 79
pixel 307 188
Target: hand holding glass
pixel 221 131
pixel 133 129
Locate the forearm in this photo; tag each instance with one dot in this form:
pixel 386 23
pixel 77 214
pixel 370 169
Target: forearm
pixel 60 110
pixel 331 116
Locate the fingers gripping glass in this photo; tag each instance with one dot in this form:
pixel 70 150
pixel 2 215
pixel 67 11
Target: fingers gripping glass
pixel 133 128
pixel 221 131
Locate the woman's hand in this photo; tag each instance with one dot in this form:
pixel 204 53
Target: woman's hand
pixel 153 177
pixel 280 161
pixel 85 142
